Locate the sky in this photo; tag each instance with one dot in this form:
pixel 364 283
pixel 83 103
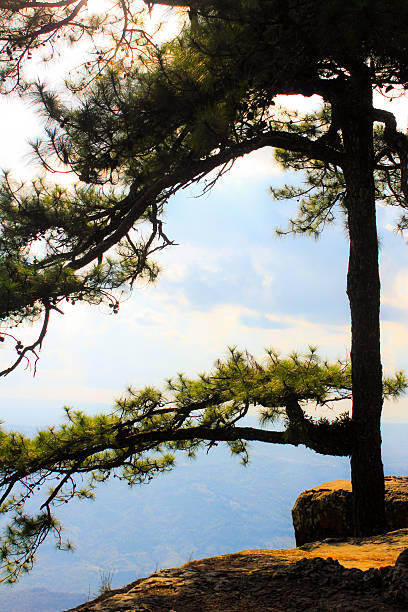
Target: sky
pixel 229 282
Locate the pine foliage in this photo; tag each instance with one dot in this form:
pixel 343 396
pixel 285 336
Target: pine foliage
pixel 141 437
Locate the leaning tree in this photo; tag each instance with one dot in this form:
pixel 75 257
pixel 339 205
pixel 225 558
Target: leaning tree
pixel 182 112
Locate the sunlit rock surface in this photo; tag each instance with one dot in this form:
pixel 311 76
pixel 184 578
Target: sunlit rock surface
pixel 355 574
pixel 326 510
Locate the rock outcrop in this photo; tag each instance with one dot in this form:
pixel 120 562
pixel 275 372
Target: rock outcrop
pixel 326 510
pixel 368 574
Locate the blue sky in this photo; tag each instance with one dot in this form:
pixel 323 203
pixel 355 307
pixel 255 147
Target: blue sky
pixel 229 282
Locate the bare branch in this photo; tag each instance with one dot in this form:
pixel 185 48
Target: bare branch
pixel 53 26
pixel 31 348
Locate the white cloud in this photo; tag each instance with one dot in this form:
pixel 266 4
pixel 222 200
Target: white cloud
pixel 267 281
pixel 394 340
pixel 92 357
pixel 398 106
pixel 395 412
pixel 175 271
pixel 177 263
pixel 64 393
pixel 211 331
pixel 396 293
pixel 18 124
pixel 260 163
pixel 299 103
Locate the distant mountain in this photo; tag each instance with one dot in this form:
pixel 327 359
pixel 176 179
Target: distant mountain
pixel 39 600
pixel 205 507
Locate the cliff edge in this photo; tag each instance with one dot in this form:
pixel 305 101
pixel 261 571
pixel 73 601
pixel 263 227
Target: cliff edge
pixel 345 575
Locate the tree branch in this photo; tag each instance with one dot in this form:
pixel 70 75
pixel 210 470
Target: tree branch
pixel 135 443
pixel 397 141
pixel 137 202
pixel 31 347
pixel 52 26
pixel 36 4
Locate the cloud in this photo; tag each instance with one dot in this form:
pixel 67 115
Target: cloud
pixel 255 165
pixel 90 357
pixel 397 106
pixel 267 276
pixel 18 125
pixel 395 412
pixel 262 321
pixel 63 392
pixel 299 103
pixel 395 294
pixel 210 331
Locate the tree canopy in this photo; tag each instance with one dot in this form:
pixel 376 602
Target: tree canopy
pixel 182 112
pixel 186 108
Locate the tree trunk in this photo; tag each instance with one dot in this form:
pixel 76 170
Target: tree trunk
pixel 363 290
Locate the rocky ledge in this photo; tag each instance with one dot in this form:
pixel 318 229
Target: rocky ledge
pixel 326 510
pixel 354 574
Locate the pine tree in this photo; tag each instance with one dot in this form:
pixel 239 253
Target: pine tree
pixel 194 105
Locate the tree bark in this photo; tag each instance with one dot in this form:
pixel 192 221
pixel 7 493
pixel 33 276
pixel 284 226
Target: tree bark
pixel 363 290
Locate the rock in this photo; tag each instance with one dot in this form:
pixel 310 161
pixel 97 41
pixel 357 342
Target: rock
pixel 357 574
pixel 323 512
pixel 402 559
pixel 396 502
pixel 326 511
